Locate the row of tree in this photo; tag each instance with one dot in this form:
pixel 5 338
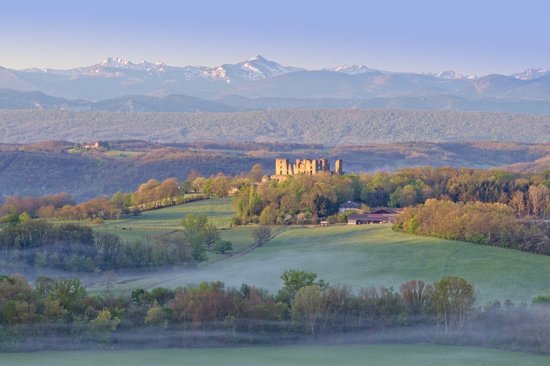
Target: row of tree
pixel 482 223
pixel 26 243
pixel 305 199
pixel 61 314
pixel 149 195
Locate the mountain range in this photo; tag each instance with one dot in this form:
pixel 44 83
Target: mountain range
pixel 119 85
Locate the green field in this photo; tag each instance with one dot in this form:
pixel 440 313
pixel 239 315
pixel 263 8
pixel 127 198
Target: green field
pixel 362 256
pixel 371 355
pixel 150 224
pixel 169 219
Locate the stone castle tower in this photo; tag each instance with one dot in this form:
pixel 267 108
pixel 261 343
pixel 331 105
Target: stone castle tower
pixel 338 167
pixel 306 166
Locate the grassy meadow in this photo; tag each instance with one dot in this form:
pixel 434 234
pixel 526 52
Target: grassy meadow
pixel 169 218
pixel 362 256
pixel 369 355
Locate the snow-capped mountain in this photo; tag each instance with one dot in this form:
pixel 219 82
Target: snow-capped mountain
pixel 256 68
pixel 258 77
pixel 116 62
pixel 531 74
pixel 452 75
pixel 352 69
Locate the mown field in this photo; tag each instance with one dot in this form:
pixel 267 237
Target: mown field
pixel 169 218
pixel 154 223
pixel 370 355
pixel 362 256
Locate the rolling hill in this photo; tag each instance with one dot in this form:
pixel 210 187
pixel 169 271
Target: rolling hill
pixel 362 256
pixel 55 166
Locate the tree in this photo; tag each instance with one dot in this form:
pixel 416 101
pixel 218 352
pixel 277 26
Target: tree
pixel 452 298
pixel 122 201
pixel 261 234
pixel 268 216
pixel 71 295
pixel 168 190
pixel 211 235
pixel 16 300
pixel 257 172
pixel 198 184
pixel 193 174
pixel 414 296
pixel 104 324
pixel 519 204
pixel 220 185
pixel 294 280
pixel 403 197
pixel 25 217
pixel 254 202
pixel 194 230
pixel 197 249
pixel 539 198
pixel 156 315
pixel 308 307
pixel 375 197
pixel 194 224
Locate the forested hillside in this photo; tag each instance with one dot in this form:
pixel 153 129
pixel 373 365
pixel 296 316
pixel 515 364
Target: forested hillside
pixel 54 166
pixel 329 127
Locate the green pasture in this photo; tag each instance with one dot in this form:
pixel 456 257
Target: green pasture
pixel 362 256
pixel 152 223
pixel 342 355
pixel 169 218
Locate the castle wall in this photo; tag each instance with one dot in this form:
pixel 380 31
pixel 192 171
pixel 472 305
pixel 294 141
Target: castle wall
pixel 338 167
pixel 305 166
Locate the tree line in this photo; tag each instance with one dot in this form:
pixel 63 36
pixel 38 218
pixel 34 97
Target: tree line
pixel 27 244
pixel 482 223
pixel 305 199
pixel 60 314
pixel 152 194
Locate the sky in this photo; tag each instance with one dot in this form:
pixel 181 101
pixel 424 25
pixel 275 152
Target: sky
pixel 473 37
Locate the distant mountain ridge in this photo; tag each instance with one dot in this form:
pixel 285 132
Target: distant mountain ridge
pixel 13 99
pixel 259 79
pixel 34 100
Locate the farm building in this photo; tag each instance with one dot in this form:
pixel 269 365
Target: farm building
pixel 358 219
pixel 377 216
pixel 348 206
pixel 386 210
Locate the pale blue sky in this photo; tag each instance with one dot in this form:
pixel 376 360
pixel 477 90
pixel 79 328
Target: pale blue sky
pixel 425 35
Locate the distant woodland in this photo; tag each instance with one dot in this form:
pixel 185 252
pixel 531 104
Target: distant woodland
pixel 329 127
pixel 50 167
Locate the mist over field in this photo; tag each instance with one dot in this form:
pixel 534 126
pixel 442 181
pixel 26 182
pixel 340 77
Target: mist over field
pixel 371 355
pixel 374 191
pixel 362 258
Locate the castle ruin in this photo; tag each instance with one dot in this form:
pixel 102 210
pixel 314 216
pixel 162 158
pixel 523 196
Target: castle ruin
pixel 306 167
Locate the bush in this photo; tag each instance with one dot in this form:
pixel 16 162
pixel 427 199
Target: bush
pixel 223 246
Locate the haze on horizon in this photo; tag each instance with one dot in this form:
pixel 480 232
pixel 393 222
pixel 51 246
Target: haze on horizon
pixel 423 36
